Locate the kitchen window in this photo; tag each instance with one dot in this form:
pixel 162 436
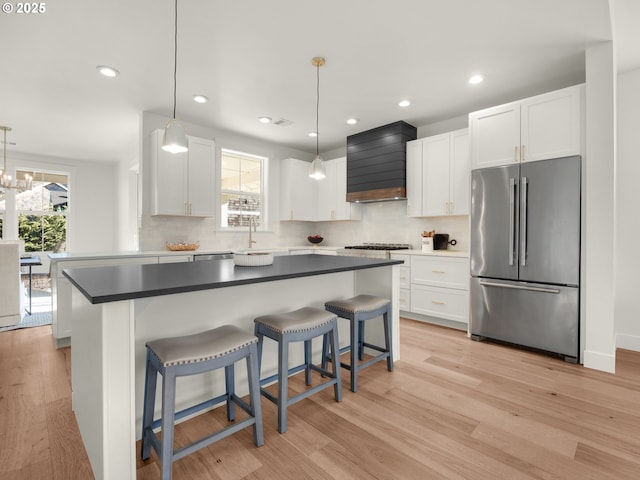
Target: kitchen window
pixel 242 190
pixel 42 212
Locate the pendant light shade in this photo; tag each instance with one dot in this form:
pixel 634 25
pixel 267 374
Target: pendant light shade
pixel 175 140
pixel 317 170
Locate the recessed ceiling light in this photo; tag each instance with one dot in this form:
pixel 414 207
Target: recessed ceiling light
pixel 404 103
pixel 313 134
pixel 264 119
pixel 108 71
pixel 352 121
pixel 475 79
pixel 200 99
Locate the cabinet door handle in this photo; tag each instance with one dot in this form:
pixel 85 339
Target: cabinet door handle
pixel 291 215
pixel 438 271
pixel 450 208
pixel 437 302
pixel 523 150
pixel 515 153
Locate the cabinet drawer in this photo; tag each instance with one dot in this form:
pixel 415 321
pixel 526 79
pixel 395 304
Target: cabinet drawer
pixel 405 299
pixel 440 302
pixel 405 277
pixel 440 272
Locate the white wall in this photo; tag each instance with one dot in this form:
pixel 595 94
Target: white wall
pixel 627 311
pixel 92 220
pixel 598 281
pixel 94 223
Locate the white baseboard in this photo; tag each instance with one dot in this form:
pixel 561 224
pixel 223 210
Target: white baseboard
pixel 628 342
pixel 600 361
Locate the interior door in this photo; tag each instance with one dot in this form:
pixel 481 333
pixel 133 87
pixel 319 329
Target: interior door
pixel 494 220
pixel 550 221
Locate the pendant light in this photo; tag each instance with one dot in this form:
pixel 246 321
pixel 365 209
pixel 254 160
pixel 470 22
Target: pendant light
pixel 317 170
pixel 6 182
pixel 175 141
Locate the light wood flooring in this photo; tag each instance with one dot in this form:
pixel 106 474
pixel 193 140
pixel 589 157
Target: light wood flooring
pixel 452 409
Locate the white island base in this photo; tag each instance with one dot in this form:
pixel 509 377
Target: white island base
pixel 108 349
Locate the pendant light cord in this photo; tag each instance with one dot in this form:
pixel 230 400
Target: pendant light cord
pixel 175 57
pixel 317 108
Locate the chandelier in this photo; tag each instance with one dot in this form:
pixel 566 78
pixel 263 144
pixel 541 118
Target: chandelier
pixel 6 182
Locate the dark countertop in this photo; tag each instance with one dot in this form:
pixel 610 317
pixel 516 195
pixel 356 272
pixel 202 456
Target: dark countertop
pixel 127 282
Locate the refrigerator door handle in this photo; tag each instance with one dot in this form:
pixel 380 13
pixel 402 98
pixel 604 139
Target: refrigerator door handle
pixel 520 287
pixel 523 221
pixel 512 223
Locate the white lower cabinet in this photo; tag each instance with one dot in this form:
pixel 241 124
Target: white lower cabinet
pixel 447 303
pixel 434 288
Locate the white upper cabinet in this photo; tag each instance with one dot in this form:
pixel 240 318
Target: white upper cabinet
pixel 541 127
pixel 182 183
pixel 438 175
pixel 306 199
pixel 459 173
pixel 435 175
pixel 414 178
pixel 296 191
pixel 495 136
pixel 326 200
pixel 551 125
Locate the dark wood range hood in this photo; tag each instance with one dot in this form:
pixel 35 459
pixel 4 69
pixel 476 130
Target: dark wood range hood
pixel 376 163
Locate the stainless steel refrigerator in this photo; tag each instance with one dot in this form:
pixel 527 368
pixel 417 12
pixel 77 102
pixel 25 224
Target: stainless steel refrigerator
pixel 525 255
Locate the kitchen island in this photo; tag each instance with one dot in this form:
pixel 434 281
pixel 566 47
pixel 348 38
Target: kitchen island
pixel 117 309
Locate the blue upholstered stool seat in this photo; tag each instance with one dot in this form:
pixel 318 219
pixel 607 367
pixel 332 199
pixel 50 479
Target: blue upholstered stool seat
pixel 357 310
pixel 189 355
pixel 301 325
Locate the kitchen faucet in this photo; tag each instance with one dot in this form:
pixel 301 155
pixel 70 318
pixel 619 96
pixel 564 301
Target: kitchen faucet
pixel 252 220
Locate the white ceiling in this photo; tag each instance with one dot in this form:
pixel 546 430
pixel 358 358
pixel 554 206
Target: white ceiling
pixel 253 57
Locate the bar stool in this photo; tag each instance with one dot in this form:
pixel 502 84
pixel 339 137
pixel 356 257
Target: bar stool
pixel 189 355
pixel 301 325
pixel 357 310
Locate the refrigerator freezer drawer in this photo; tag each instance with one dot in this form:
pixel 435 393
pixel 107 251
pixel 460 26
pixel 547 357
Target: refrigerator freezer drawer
pixel 440 302
pixel 540 316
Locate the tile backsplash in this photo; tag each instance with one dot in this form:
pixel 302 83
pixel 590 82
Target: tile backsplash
pixel 385 222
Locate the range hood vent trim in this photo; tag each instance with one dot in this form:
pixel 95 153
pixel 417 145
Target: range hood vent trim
pixel 376 163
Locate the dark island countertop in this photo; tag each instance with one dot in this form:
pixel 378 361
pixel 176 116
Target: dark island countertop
pixel 127 282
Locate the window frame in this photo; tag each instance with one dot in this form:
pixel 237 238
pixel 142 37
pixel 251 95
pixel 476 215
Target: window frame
pixel 263 195
pixel 42 213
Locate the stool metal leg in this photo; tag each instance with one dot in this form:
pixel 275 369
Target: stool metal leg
pixel 355 342
pixel 229 379
pixel 335 362
pixel 168 413
pixel 386 317
pixel 307 362
pixel 283 381
pixel 361 338
pixel 253 374
pixel 150 382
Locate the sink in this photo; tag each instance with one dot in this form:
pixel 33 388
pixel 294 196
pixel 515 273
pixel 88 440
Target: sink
pixel 257 258
pixel 273 251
